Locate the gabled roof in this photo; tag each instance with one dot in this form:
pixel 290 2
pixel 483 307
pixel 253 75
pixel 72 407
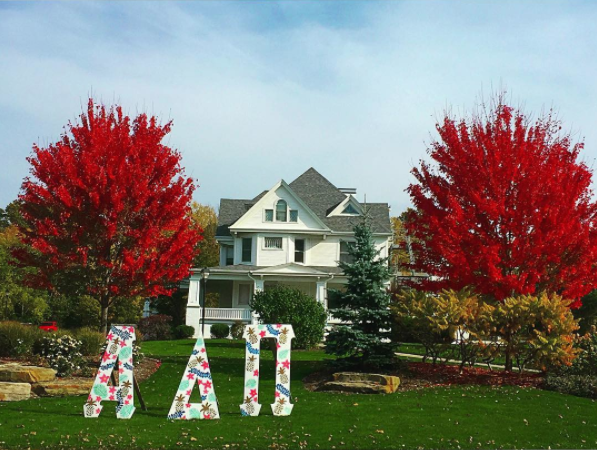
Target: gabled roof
pixel 320 196
pixel 260 199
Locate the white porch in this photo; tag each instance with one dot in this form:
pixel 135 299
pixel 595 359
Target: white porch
pixel 236 285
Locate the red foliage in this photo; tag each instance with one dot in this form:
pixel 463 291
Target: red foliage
pixel 107 209
pixel 508 209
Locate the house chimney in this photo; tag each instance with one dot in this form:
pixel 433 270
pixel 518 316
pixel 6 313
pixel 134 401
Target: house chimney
pixel 348 191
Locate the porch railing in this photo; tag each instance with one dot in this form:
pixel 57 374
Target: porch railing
pixel 228 314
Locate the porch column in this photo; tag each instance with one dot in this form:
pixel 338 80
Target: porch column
pixel 193 318
pixel 321 293
pixel 258 286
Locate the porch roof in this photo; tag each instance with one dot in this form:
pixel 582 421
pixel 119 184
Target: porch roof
pixel 289 269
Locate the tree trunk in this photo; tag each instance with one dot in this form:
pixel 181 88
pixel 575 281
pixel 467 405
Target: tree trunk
pixel 104 302
pixel 508 365
pixel 274 347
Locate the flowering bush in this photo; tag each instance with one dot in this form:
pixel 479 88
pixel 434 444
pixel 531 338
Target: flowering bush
pixel 62 353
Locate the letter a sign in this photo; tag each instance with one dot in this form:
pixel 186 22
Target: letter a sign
pixel 253 335
pixel 196 372
pixel 119 348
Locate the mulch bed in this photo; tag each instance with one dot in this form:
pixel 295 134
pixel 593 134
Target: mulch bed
pixel 425 375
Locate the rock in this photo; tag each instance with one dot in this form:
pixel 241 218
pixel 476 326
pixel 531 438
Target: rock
pixel 388 382
pixel 26 374
pixel 14 392
pixel 362 383
pixel 61 388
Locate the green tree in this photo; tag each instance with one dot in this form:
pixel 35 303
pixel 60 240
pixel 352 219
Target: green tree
pixel 17 301
pixel 209 251
pixel 291 306
pixel 587 313
pixel 364 338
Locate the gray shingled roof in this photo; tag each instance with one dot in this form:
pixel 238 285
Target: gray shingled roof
pixel 318 194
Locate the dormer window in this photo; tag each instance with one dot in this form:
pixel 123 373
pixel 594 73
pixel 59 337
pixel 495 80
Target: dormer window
pixel 350 209
pixel 281 211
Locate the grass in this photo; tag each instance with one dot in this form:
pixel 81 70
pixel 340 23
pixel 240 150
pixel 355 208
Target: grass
pixel 456 417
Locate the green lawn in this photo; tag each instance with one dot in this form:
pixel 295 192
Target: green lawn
pixel 456 417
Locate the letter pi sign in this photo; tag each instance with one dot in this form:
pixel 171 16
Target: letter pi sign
pixel 253 335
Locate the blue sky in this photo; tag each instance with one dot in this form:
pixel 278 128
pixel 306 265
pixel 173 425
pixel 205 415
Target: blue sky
pixel 260 91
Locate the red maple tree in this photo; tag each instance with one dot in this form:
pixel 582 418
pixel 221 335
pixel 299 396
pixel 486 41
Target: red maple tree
pixel 107 210
pixel 506 209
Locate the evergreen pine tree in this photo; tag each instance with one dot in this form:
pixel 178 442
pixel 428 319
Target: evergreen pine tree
pixel 365 340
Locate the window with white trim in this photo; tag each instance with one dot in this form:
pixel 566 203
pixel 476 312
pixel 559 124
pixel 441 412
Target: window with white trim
pixel 269 215
pixel 273 243
pixel 350 209
pixel 281 211
pixel 299 250
pixel 247 250
pixel 293 215
pixel 345 255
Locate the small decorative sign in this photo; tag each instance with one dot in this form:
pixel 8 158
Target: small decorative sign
pixel 197 371
pixel 119 347
pixel 253 335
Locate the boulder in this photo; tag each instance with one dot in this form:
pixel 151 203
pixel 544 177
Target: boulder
pixel 385 380
pixel 362 383
pixel 14 392
pixel 26 374
pixel 61 388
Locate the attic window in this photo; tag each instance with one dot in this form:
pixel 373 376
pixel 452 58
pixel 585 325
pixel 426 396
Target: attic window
pixel 293 215
pixel 269 215
pixel 281 211
pixel 350 209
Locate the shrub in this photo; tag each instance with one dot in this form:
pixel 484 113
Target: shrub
pixel 17 339
pixel 291 306
pixel 237 330
pixel 449 324
pixel 183 332
pixel 220 330
pixel 62 353
pixel 536 331
pixel 586 357
pixel 579 378
pixel 156 327
pixel 91 341
pixel 579 385
pixel 527 330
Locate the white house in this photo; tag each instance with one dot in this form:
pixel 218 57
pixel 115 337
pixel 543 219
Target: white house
pixel 293 234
